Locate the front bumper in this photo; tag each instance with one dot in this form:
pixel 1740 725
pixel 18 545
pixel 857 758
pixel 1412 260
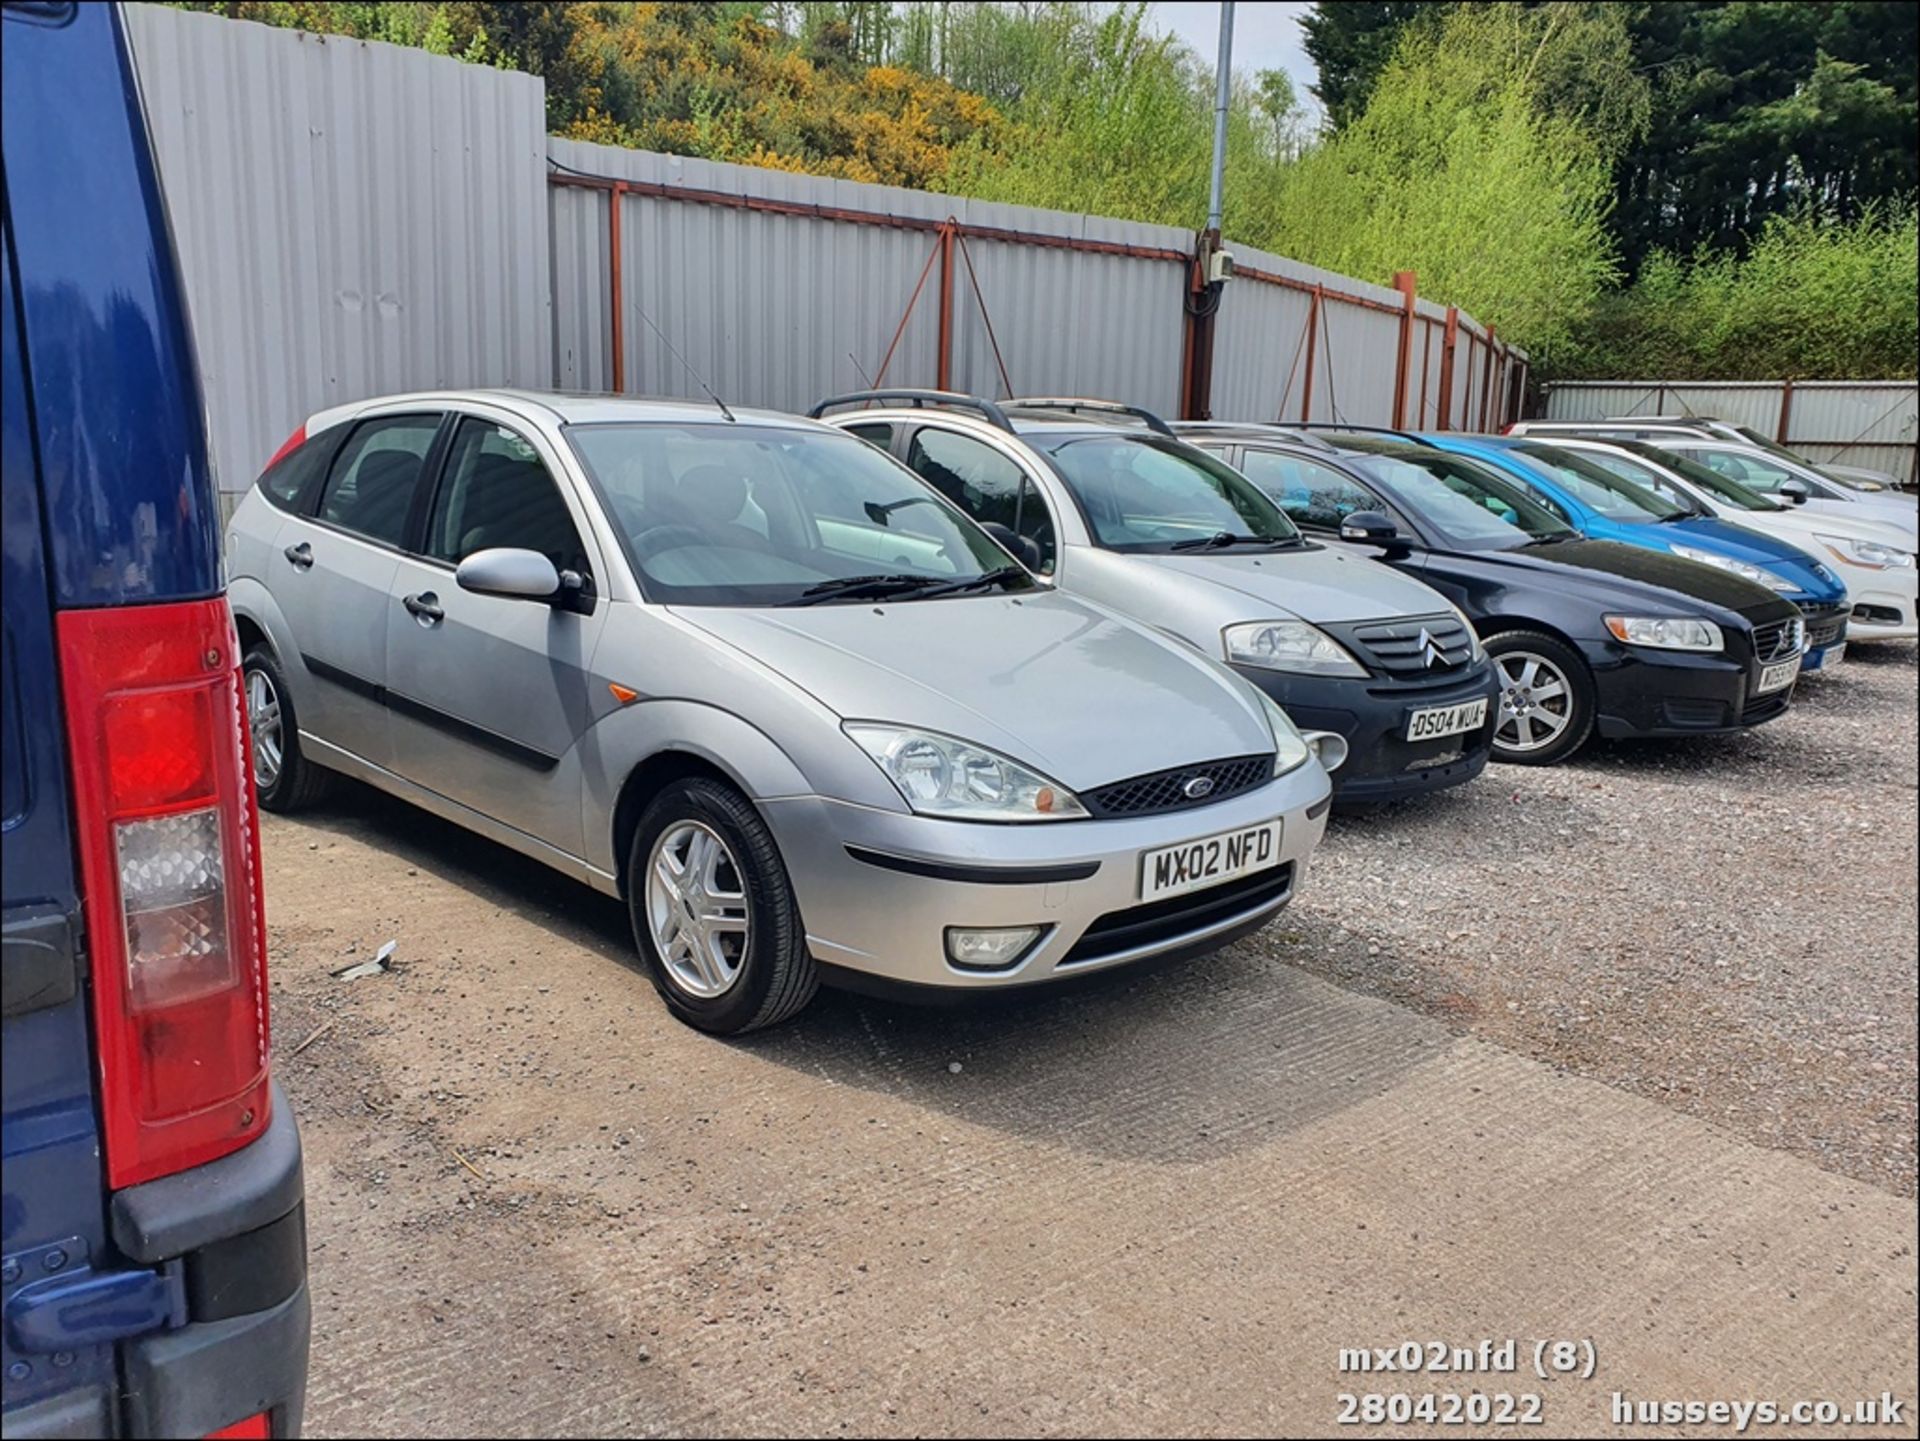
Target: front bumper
pixel 1372 714
pixel 878 889
pixel 1645 693
pixel 1884 604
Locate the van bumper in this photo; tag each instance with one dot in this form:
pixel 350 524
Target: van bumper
pixel 236 1227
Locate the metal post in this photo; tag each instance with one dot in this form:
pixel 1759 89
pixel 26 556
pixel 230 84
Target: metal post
pixel 943 363
pixel 1222 94
pixel 1313 333
pixel 1486 381
pixel 618 327
pixel 1447 343
pixel 1403 281
pixel 1786 409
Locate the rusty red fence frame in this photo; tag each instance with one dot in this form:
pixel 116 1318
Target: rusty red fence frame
pixel 1197 339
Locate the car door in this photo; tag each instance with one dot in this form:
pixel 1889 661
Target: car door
pixel 333 572
pixel 488 693
pixel 990 487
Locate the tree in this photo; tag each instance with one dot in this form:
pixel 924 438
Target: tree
pixel 1350 43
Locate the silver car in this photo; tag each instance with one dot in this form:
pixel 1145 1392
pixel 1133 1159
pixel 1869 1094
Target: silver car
pixel 1110 504
pixel 756 678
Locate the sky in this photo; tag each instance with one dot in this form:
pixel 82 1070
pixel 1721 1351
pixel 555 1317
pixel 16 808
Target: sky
pixel 1266 36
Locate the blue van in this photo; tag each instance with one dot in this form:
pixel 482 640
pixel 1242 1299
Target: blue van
pixel 1604 506
pixel 154 1235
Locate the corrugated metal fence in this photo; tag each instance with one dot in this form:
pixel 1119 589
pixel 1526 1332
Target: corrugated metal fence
pixel 356 218
pixel 1874 423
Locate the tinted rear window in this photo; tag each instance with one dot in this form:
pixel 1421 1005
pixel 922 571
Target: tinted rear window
pixel 289 480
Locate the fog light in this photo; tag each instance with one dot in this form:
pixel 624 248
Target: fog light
pixel 990 950
pixel 1330 746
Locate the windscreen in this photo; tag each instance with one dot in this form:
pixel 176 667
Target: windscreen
pixel 1150 494
pixel 1469 505
pixel 766 515
pixel 1599 489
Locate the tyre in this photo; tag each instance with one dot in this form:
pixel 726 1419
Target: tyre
pixel 285 778
pixel 1545 699
pixel 713 912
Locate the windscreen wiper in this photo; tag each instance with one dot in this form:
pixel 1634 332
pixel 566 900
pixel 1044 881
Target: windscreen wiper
pixel 1226 538
pixel 1006 575
pixel 860 587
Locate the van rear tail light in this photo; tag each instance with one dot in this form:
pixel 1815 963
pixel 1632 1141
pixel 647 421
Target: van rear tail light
pixel 168 834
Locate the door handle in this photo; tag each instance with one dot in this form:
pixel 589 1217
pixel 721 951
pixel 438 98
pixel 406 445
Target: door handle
pixel 301 555
pixel 424 607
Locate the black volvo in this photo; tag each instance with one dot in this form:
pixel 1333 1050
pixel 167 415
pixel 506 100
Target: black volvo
pixel 1588 635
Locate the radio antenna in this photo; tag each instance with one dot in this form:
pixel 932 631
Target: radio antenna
pixel 698 379
pixel 860 369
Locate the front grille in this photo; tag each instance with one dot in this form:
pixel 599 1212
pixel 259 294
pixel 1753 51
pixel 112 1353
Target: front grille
pixel 1826 632
pixel 1778 639
pixel 1413 649
pixel 1167 790
pixel 1167 921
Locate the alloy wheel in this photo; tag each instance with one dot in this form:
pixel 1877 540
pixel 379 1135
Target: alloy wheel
pixel 1536 702
pixel 263 719
pixel 697 909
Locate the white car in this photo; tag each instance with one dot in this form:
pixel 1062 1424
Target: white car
pixel 1874 557
pixel 1780 477
pixel 1651 427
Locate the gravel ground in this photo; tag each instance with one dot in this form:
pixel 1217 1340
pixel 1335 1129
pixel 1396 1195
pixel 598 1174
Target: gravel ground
pixel 1726 925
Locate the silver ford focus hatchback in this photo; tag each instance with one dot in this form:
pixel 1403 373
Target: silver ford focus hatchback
pixel 755 677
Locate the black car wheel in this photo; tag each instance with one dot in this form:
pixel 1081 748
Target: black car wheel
pixel 284 777
pixel 1545 698
pixel 713 912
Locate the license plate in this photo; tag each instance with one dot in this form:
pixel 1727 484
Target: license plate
pixel 1173 870
pixel 1774 676
pixel 1447 720
pixel 1823 659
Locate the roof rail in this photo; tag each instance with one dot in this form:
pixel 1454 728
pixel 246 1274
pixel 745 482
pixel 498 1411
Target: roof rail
pixel 1305 438
pixel 1105 407
pixel 1339 427
pixel 920 398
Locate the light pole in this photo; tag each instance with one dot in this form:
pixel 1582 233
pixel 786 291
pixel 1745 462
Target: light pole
pixel 1222 93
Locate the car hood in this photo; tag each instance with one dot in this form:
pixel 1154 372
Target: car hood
pixel 1633 569
pixel 1317 584
pixel 1063 686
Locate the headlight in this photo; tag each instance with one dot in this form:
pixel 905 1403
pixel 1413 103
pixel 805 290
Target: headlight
pixel 1288 645
pixel 1666 632
pixel 939 776
pixel 1866 552
pixel 1757 574
pixel 1289 746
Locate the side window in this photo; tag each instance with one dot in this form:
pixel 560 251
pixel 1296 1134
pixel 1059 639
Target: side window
pixel 1540 498
pixel 878 433
pixel 1314 496
pixel 1643 476
pixel 985 484
pixel 370 488
pixel 496 492
pixel 293 476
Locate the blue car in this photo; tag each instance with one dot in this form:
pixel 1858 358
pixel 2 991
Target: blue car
pixel 1605 506
pixel 155 1243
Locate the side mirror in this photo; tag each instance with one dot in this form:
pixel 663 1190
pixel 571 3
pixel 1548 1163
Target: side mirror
pixel 507 571
pixel 1796 492
pixel 1021 545
pixel 1371 527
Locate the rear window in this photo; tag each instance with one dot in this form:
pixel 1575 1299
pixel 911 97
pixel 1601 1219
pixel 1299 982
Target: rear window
pixel 370 488
pixel 289 480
